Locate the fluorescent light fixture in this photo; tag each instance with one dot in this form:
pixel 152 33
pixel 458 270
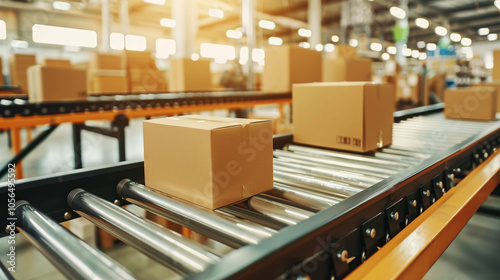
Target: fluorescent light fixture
pixel 165 48
pixel 267 24
pixel 385 56
pixel 19 44
pixel 156 2
pixel 304 45
pixel 376 47
pixel 492 37
pixel 483 31
pixel 275 41
pixel 415 53
pixel 335 38
pixel 319 47
pixel 440 30
pixel 329 47
pixel 168 22
pixel 3 30
pixel 406 52
pixel 216 13
pixel 217 51
pixel 392 50
pixel 489 65
pixel 455 37
pixel 116 41
pixel 466 41
pixel 135 43
pixel 420 44
pixel 258 55
pixel 422 56
pixel 220 60
pixel 234 34
pixel 353 43
pixel 243 55
pixel 60 5
pixel 195 57
pixel 431 46
pixel 397 12
pixel 55 35
pixel 305 32
pixel 72 49
pixel 497 3
pixel 422 23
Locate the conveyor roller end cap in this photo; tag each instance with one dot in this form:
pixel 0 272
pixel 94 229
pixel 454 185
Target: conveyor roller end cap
pixel 72 195
pixel 121 184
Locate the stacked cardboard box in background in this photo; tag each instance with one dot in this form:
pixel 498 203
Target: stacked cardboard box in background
pixel 496 68
pixel 19 64
pixel 57 63
pixel 287 65
pixel 143 76
pixel 189 75
pixel 107 74
pixel 343 64
pixel 471 103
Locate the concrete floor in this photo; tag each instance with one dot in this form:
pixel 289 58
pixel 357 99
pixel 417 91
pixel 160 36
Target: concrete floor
pixel 472 255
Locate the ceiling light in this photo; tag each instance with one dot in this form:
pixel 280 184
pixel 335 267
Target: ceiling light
pixel 319 47
pixel 216 13
pixel 492 37
pixel 165 48
pixel 440 30
pixel 46 34
pixel 397 12
pixel 72 49
pixel 304 45
pixel 168 22
pixel 422 56
pixel 329 47
pixel 392 50
pixel 406 52
pixel 234 34
pixel 483 31
pixel 335 38
pixel 135 43
pixel 497 3
pixel 217 51
pixel 3 30
pixel 385 56
pixel 489 65
pixel 376 47
pixel 19 44
pixel 275 41
pixel 266 24
pixel 431 46
pixel 415 53
pixel 422 23
pixel 63 6
pixel 455 37
pixel 117 41
pixel 156 2
pixel 195 57
pixel 420 44
pixel 305 32
pixel 466 41
pixel 353 43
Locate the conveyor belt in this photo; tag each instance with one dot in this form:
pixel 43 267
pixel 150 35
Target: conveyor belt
pixel 329 210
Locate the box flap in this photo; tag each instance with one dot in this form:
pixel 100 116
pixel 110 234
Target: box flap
pixel 223 119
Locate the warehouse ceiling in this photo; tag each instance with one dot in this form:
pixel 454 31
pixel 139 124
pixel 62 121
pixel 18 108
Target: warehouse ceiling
pixel 462 16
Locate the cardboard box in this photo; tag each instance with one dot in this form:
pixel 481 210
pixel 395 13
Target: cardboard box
pixel 2 80
pixel 347 69
pixel 107 61
pixel 495 72
pixel 188 75
pixel 496 86
pixel 108 85
pixel 343 51
pixel 56 84
pixel 352 116
pixel 58 63
pixel 19 64
pixel 146 80
pixel 209 161
pixel 139 59
pixel 471 103
pixel 287 65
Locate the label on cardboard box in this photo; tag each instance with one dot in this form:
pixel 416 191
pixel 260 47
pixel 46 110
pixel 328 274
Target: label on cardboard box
pixel 470 103
pixel 208 161
pixel 352 116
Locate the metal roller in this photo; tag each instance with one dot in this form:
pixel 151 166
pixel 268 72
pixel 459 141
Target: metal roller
pixel 279 211
pixel 70 255
pixel 314 184
pixel 171 249
pixel 237 211
pixel 358 168
pixel 234 233
pixel 309 199
pixel 4 273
